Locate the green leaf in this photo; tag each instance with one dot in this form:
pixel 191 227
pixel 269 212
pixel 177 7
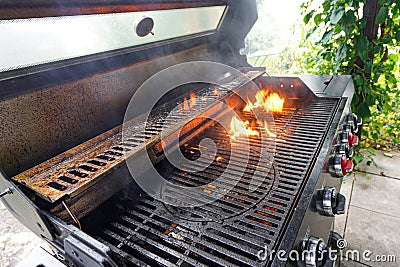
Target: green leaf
pixel 371 151
pixel 382 14
pixel 360 42
pixel 318 19
pixel 327 36
pixel 358 159
pixel 363 23
pixel 355 100
pixel 342 52
pixel 358 81
pixel 336 15
pixel 363 110
pixel 349 18
pixel 308 16
pixel 394 57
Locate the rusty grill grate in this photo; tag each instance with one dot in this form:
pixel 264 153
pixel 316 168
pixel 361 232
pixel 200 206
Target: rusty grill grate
pixel 232 230
pixel 71 172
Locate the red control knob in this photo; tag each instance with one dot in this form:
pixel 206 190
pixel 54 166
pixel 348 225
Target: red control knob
pixel 339 165
pixel 353 140
pixel 347 166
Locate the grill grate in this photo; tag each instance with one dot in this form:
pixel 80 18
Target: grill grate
pixel 232 230
pixel 73 171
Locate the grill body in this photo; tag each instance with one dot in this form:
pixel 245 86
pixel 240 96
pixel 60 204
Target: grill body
pixel 63 158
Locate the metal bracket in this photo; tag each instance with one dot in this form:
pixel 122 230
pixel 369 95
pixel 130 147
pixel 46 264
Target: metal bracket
pixel 23 208
pixel 82 250
pixel 6 192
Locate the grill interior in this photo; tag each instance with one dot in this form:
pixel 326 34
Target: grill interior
pixel 71 172
pixel 230 231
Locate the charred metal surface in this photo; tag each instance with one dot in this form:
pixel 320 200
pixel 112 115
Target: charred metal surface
pixel 72 172
pixel 232 230
pixel 44 123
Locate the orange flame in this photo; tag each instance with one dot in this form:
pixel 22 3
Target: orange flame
pixel 188 104
pixel 185 104
pixel 216 92
pixel 192 99
pixel 270 102
pixel 240 128
pixel 268 131
pixel 219 158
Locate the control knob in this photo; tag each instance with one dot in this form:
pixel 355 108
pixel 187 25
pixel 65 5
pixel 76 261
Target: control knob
pixel 312 250
pixel 357 123
pixel 344 149
pixel 339 165
pixel 329 202
pixel 345 136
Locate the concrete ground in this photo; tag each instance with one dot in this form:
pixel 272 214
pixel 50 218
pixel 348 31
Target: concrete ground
pixel 16 241
pixel 370 226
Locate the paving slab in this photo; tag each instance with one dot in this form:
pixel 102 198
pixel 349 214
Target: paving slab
pixel 345 190
pixel 378 233
pixel 379 194
pixel 351 263
pixel 386 166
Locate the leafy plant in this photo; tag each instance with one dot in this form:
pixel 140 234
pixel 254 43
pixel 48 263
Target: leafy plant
pixel 360 38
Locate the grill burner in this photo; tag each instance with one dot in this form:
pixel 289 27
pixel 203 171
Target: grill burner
pixel 232 230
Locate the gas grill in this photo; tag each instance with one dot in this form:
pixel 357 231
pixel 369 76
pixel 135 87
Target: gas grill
pixel 76 165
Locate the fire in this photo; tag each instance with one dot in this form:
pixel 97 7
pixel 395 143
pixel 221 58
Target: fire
pixel 240 128
pixel 185 104
pixel 188 104
pixel 268 131
pixel 219 158
pixel 270 102
pixel 216 92
pixel 275 102
pixel 192 99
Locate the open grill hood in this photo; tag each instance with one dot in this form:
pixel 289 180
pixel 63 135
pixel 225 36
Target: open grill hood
pixel 64 160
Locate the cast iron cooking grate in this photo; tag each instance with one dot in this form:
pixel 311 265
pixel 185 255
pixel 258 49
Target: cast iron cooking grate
pixel 232 230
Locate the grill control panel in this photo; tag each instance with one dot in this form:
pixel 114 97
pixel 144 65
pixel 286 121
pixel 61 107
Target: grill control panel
pixel 340 161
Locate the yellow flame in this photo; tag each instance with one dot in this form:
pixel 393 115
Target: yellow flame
pixel 240 128
pixel 270 102
pixel 268 131
pixel 216 92
pixel 275 102
pixel 219 158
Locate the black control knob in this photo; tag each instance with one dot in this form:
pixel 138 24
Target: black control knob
pixel 343 137
pixel 357 122
pixel 349 127
pixel 344 149
pixel 340 165
pixel 314 250
pixel 329 202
